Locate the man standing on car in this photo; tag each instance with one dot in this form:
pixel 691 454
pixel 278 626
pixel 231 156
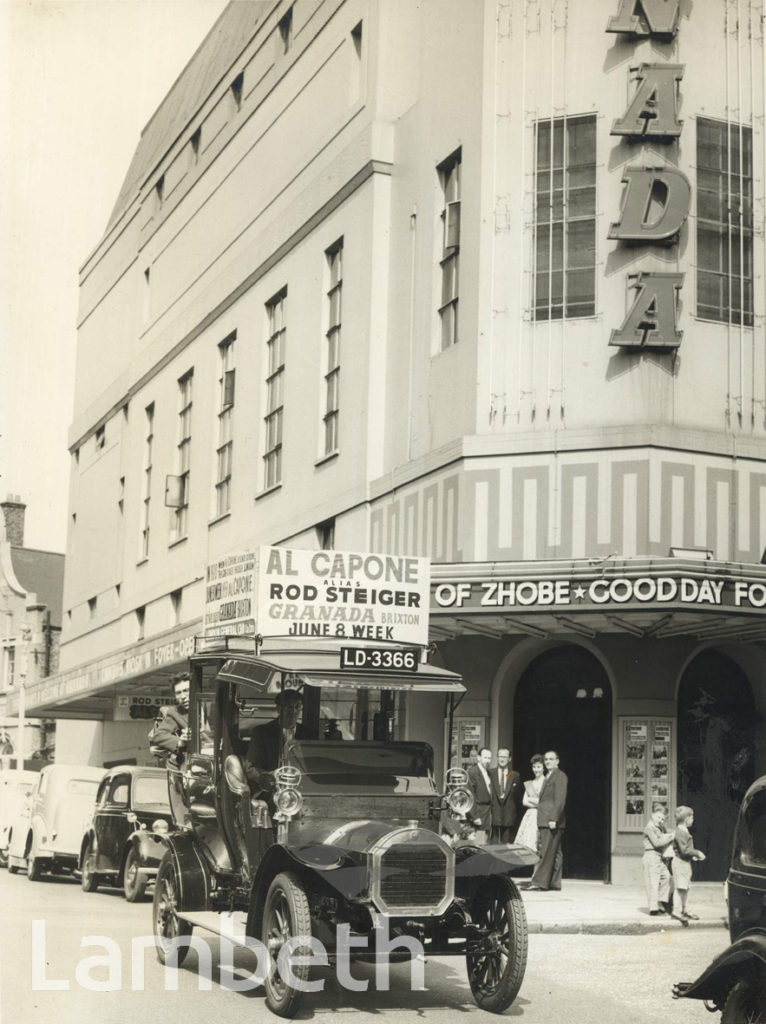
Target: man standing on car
pixel 481 785
pixel 267 742
pixel 551 822
pixel 169 738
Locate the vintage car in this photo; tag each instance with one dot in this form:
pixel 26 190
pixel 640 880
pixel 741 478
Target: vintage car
pixel 15 787
pixel 123 844
pixel 735 982
pixel 48 835
pixel 350 836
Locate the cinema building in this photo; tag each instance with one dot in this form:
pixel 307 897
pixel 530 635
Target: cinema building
pixel 482 282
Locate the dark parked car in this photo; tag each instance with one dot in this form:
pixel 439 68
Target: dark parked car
pixel 123 844
pixel 350 834
pixel 735 982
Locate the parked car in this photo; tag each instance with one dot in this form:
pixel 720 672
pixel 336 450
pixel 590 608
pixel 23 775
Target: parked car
pixel 48 835
pixel 123 844
pixel 735 982
pixel 350 833
pixel 15 787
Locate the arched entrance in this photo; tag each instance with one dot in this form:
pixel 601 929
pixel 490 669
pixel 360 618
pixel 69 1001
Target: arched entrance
pixel 716 748
pixel 564 702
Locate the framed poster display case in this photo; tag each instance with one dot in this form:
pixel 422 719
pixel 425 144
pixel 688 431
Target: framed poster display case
pixel 646 770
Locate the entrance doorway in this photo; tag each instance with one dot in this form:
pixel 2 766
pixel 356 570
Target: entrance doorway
pixel 716 754
pixel 564 702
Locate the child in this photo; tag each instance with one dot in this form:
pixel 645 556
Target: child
pixel 683 855
pixel 656 874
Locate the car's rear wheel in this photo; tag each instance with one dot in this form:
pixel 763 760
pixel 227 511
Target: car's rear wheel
pixel 746 1003
pixel 168 927
pixel 13 869
pixel 88 877
pixel 135 882
pixel 285 916
pixel 497 961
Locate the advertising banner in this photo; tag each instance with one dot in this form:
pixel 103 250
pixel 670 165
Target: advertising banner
pixel 230 584
pixel 611 592
pixel 343 594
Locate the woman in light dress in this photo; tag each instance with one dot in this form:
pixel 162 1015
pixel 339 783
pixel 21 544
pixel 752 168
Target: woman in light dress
pixel 527 834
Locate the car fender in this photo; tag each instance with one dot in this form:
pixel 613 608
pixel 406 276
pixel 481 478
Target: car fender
pixel 88 835
pixel 191 869
pixel 332 870
pixel 475 864
pixel 149 846
pixel 735 962
pixel 36 829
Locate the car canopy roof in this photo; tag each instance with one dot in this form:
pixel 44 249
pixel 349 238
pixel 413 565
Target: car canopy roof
pixel 268 671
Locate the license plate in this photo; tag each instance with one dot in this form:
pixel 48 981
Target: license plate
pixel 380 659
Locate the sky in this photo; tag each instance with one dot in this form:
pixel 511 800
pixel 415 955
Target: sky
pixel 79 79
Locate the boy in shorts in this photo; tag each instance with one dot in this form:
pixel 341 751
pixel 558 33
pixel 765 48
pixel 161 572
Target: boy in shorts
pixel 683 855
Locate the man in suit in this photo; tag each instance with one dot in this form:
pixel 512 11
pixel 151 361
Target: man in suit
pixel 267 742
pixel 481 785
pixel 551 822
pixel 507 791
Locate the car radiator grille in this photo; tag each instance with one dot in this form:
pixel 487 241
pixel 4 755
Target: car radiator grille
pixel 413 875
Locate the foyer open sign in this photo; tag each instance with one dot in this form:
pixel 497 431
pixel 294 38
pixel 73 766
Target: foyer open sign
pixel 343 594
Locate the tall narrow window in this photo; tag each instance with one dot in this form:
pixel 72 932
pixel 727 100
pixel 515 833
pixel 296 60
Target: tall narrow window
pixel 181 510
pixel 565 218
pixel 332 355
pixel 147 481
pixel 225 415
pixel 449 175
pixel 724 222
pixel 275 384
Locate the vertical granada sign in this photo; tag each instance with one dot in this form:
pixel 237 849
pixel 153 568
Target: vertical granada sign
pixel 657 195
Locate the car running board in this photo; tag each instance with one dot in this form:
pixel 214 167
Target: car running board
pixel 229 926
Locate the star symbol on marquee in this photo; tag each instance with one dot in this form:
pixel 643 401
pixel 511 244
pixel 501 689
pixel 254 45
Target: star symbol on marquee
pixel 579 593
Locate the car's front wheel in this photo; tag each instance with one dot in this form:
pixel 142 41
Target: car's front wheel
pixel 497 960
pixel 34 865
pixel 88 877
pixel 746 1003
pixel 285 916
pixel 135 882
pixel 168 927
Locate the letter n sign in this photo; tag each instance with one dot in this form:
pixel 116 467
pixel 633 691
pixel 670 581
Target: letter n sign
pixel 646 18
pixel 651 322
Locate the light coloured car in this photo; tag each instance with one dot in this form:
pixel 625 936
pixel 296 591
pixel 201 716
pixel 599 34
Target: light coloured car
pixel 48 835
pixel 15 787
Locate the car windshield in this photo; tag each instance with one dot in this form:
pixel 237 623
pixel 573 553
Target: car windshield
pixel 150 793
pixel 346 767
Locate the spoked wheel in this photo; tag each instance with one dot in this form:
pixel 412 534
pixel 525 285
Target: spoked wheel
pixel 285 916
pixel 134 882
pixel 497 961
pixel 88 877
pixel 746 1003
pixel 168 926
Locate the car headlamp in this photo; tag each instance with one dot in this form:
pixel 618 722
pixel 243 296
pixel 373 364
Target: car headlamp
pixel 458 796
pixel 287 798
pixel 288 802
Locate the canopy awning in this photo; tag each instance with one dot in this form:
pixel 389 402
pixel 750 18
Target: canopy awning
pixel 268 672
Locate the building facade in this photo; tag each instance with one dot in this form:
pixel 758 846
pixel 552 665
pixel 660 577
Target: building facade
pixel 31 587
pixel 482 282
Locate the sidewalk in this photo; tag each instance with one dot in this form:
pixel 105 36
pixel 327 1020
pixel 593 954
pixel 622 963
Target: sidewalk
pixel 598 909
